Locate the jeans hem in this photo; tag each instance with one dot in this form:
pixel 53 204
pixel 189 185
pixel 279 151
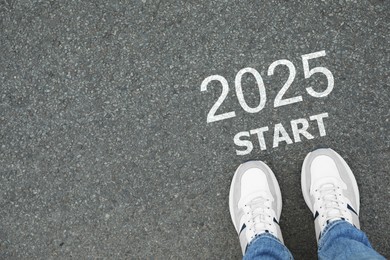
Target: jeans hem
pixel 328 228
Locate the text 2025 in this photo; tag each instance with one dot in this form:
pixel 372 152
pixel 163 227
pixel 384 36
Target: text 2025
pixel 299 126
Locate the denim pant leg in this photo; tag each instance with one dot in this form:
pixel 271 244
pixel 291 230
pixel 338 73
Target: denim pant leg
pixel 267 246
pixel 341 240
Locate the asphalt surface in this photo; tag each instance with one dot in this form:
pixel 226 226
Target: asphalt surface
pixel 105 149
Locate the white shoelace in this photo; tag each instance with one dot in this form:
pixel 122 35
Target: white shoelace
pixel 259 215
pixel 332 205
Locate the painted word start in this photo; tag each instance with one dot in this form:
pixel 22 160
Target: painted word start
pixel 299 126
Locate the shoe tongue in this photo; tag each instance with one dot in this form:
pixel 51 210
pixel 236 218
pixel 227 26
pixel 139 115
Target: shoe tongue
pixel 325 182
pixel 333 212
pixel 328 185
pixel 331 196
pixel 252 196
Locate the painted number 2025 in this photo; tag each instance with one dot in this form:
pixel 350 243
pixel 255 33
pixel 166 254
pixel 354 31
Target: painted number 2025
pixel 279 100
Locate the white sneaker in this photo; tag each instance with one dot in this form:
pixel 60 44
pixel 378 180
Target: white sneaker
pixel 255 202
pixel 330 189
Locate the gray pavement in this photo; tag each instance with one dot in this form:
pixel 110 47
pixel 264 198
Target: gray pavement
pixel 105 150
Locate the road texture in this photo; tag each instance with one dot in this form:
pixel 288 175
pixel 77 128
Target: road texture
pixel 105 149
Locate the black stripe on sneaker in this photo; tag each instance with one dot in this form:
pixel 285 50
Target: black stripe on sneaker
pixel 316 215
pixel 242 228
pixel 351 209
pixel 276 221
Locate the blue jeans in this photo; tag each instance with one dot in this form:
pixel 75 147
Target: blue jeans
pixel 339 240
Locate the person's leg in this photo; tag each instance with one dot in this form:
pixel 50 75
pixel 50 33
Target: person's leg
pixel 341 240
pixel 266 246
pixel 331 192
pixel 255 204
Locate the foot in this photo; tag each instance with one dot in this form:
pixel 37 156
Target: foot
pixel 255 202
pixel 329 189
